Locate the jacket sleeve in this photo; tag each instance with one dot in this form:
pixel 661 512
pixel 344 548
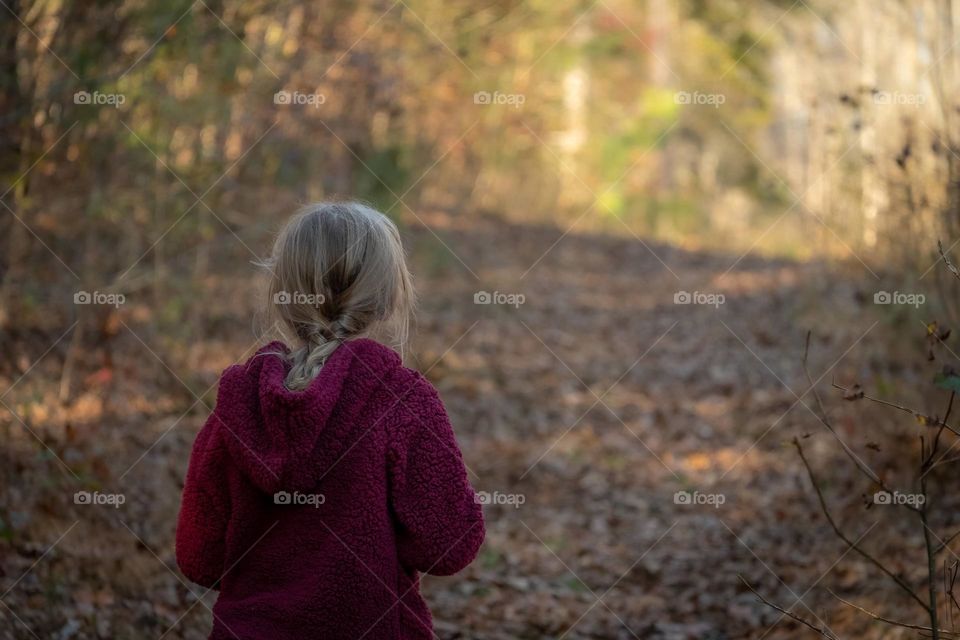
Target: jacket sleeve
pixel 438 519
pixel 204 509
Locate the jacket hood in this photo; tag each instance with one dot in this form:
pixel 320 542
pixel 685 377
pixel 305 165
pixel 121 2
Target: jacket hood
pixel 285 440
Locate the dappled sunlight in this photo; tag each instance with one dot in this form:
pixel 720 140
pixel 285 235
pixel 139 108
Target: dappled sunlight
pixel 84 416
pixel 678 286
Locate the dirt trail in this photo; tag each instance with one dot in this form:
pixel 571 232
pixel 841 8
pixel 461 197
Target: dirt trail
pixel 592 403
pixel 598 400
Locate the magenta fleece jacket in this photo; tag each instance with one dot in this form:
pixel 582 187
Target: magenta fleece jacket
pixel 314 512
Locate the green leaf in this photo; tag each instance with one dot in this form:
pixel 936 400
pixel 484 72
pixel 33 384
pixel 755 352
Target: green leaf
pixel 948 381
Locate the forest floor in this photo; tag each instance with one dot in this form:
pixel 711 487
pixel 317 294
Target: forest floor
pixel 591 404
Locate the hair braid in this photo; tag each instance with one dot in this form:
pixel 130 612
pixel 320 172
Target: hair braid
pixel 338 273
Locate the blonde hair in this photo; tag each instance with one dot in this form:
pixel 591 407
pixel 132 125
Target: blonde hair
pixel 337 272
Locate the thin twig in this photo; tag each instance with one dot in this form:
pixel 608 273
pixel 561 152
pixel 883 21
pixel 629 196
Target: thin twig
pixel 950 266
pixel 935 423
pixel 954 570
pixel 859 464
pixel 946 416
pixel 880 618
pixel 929 463
pixel 946 591
pixel 823 632
pixel 931 560
pixel 853 545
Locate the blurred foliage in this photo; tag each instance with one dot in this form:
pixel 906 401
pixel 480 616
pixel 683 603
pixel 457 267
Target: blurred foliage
pixel 703 123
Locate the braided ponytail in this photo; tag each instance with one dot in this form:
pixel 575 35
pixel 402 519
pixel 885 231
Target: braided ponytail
pixel 338 273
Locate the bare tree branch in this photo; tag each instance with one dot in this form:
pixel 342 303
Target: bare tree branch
pixel 853 545
pixel 863 468
pixel 826 633
pixel 950 266
pixel 937 422
pixel 895 623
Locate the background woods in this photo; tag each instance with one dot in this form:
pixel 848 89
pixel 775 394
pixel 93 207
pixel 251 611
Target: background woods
pixel 623 218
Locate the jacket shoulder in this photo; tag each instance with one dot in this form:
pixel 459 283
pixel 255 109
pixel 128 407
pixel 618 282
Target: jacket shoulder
pixel 376 356
pixel 241 374
pixel 416 397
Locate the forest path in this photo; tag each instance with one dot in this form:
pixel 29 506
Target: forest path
pixel 600 397
pixel 582 408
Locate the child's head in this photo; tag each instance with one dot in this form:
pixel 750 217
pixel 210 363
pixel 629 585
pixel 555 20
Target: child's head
pixel 338 272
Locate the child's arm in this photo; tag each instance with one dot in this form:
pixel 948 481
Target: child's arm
pixel 205 509
pixel 440 522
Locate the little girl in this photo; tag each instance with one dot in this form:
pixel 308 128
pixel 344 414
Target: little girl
pixel 328 476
